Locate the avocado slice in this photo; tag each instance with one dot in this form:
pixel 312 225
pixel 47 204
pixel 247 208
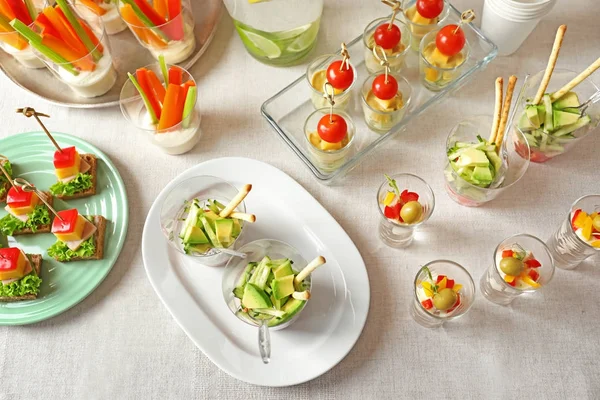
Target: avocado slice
pixel 565 130
pixel 223 230
pixel 278 303
pixel 561 118
pixel 254 297
pixel 197 248
pixel 569 99
pixel 482 175
pixel 283 287
pixel 495 160
pixel 237 228
pixel 533 116
pixel 284 269
pixel 238 291
pixel 194 235
pixel 211 217
pixel 291 308
pixel 472 158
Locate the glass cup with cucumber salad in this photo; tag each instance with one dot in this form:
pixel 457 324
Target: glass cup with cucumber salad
pixel 424 16
pixel 521 264
pixel 276 32
pixel 204 216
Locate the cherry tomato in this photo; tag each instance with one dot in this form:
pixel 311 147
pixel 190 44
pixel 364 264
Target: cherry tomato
pixel 430 8
pixel 448 42
pixel 340 78
pixel 332 129
pixel 386 37
pixel 383 90
pixel 533 263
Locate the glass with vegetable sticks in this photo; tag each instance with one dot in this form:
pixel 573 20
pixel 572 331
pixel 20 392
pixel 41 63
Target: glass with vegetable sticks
pixel 11 40
pixel 107 11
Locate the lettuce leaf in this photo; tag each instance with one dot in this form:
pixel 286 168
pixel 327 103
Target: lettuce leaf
pixel 40 215
pixel 80 183
pixel 8 167
pixel 30 284
pixel 62 252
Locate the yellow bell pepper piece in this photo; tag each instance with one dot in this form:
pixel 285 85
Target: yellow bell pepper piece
pixel 531 282
pixel 431 75
pixel 457 287
pixel 442 284
pixel 580 219
pixel 389 198
pixel 509 278
pixel 596 244
pixel 594 214
pixel 587 229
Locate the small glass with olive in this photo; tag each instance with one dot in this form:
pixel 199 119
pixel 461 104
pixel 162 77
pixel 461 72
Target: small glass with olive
pixel 522 264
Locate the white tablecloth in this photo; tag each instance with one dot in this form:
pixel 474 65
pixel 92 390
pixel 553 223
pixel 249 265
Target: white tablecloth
pixel 121 343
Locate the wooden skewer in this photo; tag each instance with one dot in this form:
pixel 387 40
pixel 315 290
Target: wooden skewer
pixel 314 264
pixel 497 109
pixel 512 81
pixel 29 187
pixel 243 216
pixel 560 34
pixel 236 201
pixel 30 112
pixel 576 81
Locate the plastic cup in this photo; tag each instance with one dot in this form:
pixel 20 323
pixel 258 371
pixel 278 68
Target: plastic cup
pixel 15 45
pixel 316 94
pixel 174 39
pixel 113 23
pixel 395 60
pixel 177 139
pixel 328 160
pixel 382 121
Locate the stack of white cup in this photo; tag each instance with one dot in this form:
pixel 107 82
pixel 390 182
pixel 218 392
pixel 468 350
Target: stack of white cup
pixel 509 22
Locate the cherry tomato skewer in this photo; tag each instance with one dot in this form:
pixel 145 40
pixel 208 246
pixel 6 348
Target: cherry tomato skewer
pixel 430 8
pixel 332 128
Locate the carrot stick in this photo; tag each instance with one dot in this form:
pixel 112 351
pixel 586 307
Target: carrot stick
pixel 175 75
pixel 10 36
pixel 157 87
pixel 63 28
pixel 155 39
pixel 186 87
pixel 92 36
pixel 94 7
pixel 172 107
pixel 82 61
pixel 76 25
pixel 142 76
pixel 175 26
pixel 150 12
pixel 6 10
pixel 134 22
pixel 20 11
pixel 46 26
pixel 161 8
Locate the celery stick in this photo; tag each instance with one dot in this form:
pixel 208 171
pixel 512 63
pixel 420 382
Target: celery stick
pixel 145 20
pixel 144 98
pixel 190 102
pixel 87 41
pixel 36 41
pixel 31 9
pixel 163 69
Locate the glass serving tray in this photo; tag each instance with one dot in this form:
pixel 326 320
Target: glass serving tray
pixel 287 110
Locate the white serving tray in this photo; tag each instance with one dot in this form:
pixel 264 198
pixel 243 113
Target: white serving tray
pixel 335 315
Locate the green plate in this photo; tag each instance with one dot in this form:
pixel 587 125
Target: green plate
pixel 64 284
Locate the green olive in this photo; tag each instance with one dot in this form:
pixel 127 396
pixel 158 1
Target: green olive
pixel 445 299
pixel 411 212
pixel 597 222
pixel 511 266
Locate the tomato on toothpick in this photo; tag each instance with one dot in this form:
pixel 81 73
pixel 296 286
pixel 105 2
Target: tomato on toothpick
pixel 332 128
pixel 430 8
pixel 450 40
pixel 385 87
pixel 386 36
pixel 340 75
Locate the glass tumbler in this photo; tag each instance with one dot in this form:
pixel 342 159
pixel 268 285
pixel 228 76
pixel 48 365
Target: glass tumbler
pixel 174 210
pixel 450 269
pixel 394 233
pixel 382 121
pixel 316 76
pixel 545 146
pixel 177 139
pixel 566 247
pixel 174 39
pixel 328 160
pixel 419 30
pixel 15 45
pixel 514 162
pixel 433 77
pixel 492 284
pixel 108 12
pixel 395 57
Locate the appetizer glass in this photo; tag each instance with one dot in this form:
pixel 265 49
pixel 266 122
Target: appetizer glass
pixel 108 12
pixel 437 78
pixel 342 99
pixel 544 146
pixel 177 139
pixel 566 247
pixel 15 45
pixel 492 284
pixel 382 121
pixel 454 271
pixel 328 160
pixel 397 234
pixel 514 162
pixel 174 39
pixel 395 59
pixel 174 210
pixel 420 30
pixel 87 83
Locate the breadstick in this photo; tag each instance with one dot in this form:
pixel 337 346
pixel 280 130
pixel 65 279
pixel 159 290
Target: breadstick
pixel 512 81
pixel 576 81
pixel 497 108
pixel 314 264
pixel 560 34
pixel 236 201
pixel 243 216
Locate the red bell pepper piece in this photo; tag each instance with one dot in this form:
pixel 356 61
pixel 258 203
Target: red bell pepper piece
pixel 17 197
pixel 449 283
pixel 65 158
pixel 427 304
pixel 65 30
pixel 507 253
pixel 175 75
pixel 575 214
pixel 407 196
pixel 150 12
pixel 6 10
pixel 20 10
pixel 392 212
pixel 533 274
pixel 68 222
pixel 45 25
pixel 142 77
pixel 439 278
pixel 513 283
pixel 533 263
pixel 174 29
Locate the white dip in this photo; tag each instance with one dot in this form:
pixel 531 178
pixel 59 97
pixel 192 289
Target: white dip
pixel 25 57
pixel 178 141
pixel 177 51
pixel 91 83
pixel 113 23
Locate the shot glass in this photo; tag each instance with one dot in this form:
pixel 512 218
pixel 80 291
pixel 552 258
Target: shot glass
pixel 545 146
pixel 515 160
pixel 316 76
pixel 395 56
pixel 175 209
pixel 422 308
pixel 177 139
pixel 376 119
pixel 328 160
pixel 173 39
pixel 393 232
pixel 94 74
pixel 108 12
pixel 15 45
pixel 419 30
pixel 493 284
pixel 566 245
pixel 436 78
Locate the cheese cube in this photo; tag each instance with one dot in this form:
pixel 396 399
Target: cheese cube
pixel 62 173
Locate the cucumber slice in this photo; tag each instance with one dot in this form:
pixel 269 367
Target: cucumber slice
pixel 548 123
